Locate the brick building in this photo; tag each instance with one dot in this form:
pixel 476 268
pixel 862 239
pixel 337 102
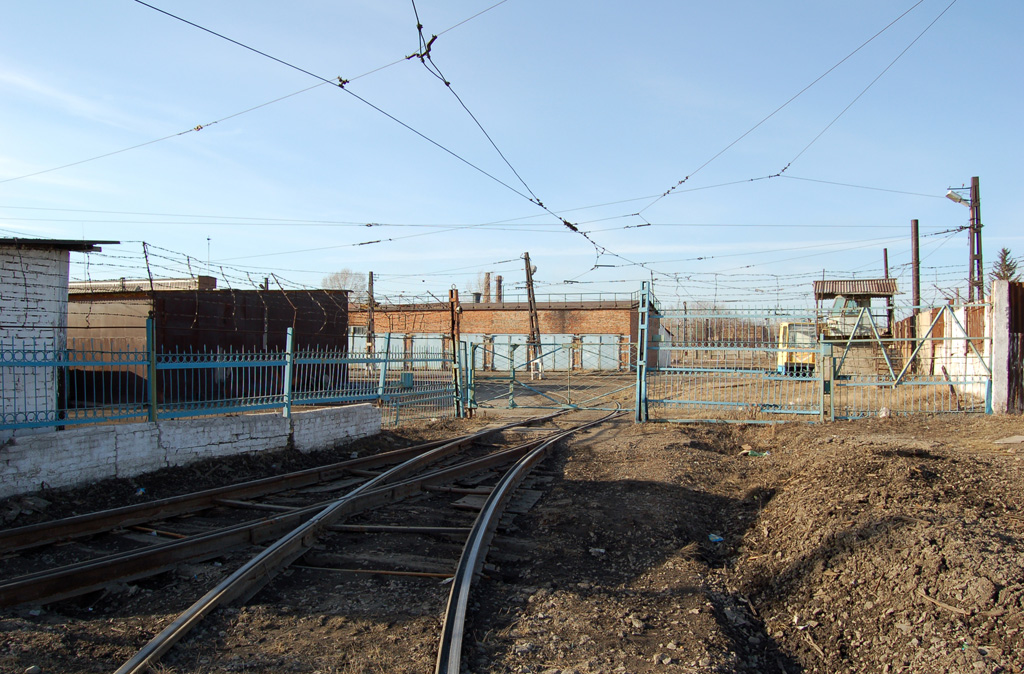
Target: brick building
pixel 602 330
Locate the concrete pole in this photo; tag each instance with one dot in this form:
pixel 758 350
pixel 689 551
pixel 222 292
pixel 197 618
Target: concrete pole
pixel 1000 319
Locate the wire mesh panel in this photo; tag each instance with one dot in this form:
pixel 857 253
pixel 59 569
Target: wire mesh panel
pixel 417 385
pixel 738 364
pixel 588 371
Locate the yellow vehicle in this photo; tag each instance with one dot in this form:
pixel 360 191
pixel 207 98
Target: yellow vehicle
pixel 798 346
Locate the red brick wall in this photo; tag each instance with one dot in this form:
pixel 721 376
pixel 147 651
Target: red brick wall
pixel 596 318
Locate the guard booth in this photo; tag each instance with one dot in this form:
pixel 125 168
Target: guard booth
pixel 848 308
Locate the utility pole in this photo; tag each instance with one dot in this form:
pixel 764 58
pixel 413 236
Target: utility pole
pixel 915 275
pixel 975 266
pixel 455 336
pixel 533 341
pixel 976 283
pixel 266 314
pixel 370 337
pixel 888 300
pixel 915 262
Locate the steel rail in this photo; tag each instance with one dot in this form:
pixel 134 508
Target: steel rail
pixel 79 526
pixel 258 571
pixel 82 577
pixel 449 654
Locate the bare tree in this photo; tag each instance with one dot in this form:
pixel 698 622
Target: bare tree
pixel 479 285
pixel 346 279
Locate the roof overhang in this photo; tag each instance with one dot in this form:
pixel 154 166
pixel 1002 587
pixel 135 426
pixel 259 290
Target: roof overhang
pixel 74 245
pixel 881 287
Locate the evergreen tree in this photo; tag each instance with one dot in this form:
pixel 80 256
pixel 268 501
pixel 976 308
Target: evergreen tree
pixel 1004 268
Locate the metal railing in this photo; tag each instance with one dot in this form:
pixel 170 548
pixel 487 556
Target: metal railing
pixel 49 384
pixel 767 364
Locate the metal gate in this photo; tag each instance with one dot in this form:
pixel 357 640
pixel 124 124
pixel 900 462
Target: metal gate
pixel 567 371
pixel 936 361
pixel 757 365
pixel 726 364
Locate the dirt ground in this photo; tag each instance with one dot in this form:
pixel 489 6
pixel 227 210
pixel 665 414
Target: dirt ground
pixel 881 545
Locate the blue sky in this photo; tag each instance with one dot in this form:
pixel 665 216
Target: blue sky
pixel 596 108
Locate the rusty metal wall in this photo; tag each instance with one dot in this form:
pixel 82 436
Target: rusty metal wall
pixel 1015 393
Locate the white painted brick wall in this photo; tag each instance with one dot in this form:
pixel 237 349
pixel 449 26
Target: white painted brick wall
pixel 323 429
pixel 33 315
pixel 57 459
pixel 187 440
pixel 137 449
pixel 86 454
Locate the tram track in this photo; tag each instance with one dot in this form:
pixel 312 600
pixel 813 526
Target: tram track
pixel 374 526
pixel 386 488
pixel 157 547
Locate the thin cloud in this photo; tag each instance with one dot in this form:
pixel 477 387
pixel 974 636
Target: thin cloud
pixel 33 87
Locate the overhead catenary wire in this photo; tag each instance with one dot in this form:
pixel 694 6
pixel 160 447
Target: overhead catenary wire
pixel 865 90
pixel 641 257
pixel 780 108
pixel 200 127
pixel 340 83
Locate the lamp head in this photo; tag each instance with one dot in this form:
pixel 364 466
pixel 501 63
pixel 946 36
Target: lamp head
pixel 953 196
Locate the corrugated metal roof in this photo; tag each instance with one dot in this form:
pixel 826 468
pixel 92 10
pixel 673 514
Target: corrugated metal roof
pixel 870 287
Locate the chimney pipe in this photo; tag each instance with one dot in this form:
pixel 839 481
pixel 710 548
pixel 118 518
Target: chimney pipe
pixel 487 286
pixel 497 289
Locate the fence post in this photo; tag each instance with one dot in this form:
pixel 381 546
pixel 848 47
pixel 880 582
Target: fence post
pixel 384 368
pixel 471 378
pixel 151 367
pixel 464 409
pixel 641 414
pixel 288 363
pixel 822 364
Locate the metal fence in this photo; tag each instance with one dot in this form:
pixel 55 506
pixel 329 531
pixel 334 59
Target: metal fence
pixel 563 372
pixel 49 384
pixel 713 363
pixel 936 361
pixel 769 364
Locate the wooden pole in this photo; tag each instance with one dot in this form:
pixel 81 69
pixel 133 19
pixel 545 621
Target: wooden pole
pixel 976 289
pixel 533 340
pixel 370 336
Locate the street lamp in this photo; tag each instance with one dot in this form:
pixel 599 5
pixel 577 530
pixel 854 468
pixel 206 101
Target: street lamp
pixel 976 275
pixel 953 196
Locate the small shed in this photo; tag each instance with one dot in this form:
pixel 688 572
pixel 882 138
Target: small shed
pixel 850 297
pixel 33 326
